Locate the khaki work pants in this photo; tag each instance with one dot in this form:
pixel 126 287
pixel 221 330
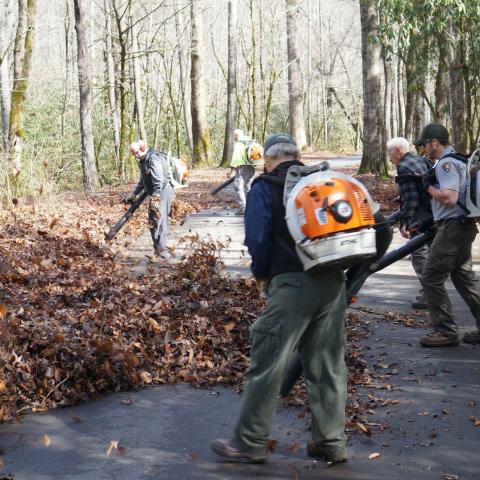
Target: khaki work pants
pixel 305 311
pixel 451 255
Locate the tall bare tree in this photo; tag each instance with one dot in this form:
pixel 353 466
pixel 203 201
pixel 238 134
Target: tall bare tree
pixel 187 117
pixel 200 134
pixel 373 158
pixel 295 100
pixel 22 55
pixel 112 98
pixel 441 82
pixel 137 75
pixel 90 176
pixel 231 83
pixel 457 89
pixel 5 70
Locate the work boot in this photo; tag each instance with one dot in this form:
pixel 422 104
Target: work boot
pixel 438 339
pixel 240 212
pixel 472 337
pixel 234 451
pixel 327 453
pixel 420 302
pixel 164 254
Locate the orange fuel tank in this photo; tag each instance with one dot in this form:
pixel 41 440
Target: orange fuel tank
pixel 335 205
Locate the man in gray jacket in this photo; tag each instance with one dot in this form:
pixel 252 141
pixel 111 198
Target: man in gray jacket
pixel 156 179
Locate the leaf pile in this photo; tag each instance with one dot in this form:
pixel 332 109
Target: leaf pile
pixel 382 191
pixel 75 324
pixel 78 325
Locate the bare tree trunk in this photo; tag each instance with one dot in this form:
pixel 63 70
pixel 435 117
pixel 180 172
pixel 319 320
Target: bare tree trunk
pixel 183 87
pixel 112 99
pixel 388 72
pixel 123 90
pixel 373 158
pixel 457 91
pixel 394 101
pixel 231 83
pixel 201 137
pixel 90 176
pixel 295 100
pixel 5 81
pixel 441 83
pixel 420 114
pixel 400 99
pixel 137 81
pixel 253 70
pixel 410 101
pixel 22 56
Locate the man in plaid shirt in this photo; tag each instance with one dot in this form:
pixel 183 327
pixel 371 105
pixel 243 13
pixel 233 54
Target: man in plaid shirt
pixel 414 200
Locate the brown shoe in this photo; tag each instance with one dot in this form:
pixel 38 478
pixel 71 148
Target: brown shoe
pixel 327 453
pixel 420 304
pixel 233 451
pixel 438 339
pixel 472 337
pixel 420 301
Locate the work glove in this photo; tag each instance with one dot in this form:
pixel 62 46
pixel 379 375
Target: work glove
pixel 155 205
pixel 262 285
pixel 429 180
pixel 128 200
pixel 230 171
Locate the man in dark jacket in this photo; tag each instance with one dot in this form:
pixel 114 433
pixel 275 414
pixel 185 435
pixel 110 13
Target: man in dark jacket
pixel 304 311
pixel 156 179
pixel 414 201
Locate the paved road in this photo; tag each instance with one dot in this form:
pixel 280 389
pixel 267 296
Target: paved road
pixel 163 432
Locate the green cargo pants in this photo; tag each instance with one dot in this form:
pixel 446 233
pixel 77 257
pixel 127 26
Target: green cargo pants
pixel 305 311
pixel 451 254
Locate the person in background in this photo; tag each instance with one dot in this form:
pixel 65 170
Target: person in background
pixel 244 169
pixel 414 201
pixel 156 179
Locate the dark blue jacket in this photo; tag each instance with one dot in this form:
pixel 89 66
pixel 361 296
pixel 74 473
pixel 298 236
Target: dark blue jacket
pixel 266 234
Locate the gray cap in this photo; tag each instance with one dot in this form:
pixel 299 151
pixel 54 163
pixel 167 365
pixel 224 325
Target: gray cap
pixel 432 131
pixel 275 138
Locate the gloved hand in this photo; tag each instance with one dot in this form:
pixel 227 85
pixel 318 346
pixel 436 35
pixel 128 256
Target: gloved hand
pixel 128 200
pixel 404 231
pixel 230 171
pixel 262 285
pixel 428 180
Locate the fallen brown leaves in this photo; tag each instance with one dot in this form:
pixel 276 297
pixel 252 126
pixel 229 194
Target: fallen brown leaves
pixel 75 324
pixel 79 325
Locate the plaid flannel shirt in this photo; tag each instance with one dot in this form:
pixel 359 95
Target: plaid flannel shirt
pixel 410 196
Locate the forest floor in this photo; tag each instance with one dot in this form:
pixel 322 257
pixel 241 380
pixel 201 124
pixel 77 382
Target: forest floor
pixel 82 318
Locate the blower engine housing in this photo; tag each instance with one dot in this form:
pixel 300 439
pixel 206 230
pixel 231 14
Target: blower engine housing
pixel 330 216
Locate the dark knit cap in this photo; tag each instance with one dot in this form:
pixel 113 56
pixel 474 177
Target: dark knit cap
pixel 275 138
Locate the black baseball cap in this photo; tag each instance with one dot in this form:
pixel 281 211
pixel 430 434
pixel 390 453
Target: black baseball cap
pixel 432 131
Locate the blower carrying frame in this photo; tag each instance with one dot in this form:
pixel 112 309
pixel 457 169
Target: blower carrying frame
pixel 358 274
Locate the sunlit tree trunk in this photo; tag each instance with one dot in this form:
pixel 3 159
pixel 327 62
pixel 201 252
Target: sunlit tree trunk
pixel 231 83
pixel 295 100
pixel 187 119
pixel 373 158
pixel 200 134
pixel 90 176
pixel 22 55
pixel 5 81
pixel 112 98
